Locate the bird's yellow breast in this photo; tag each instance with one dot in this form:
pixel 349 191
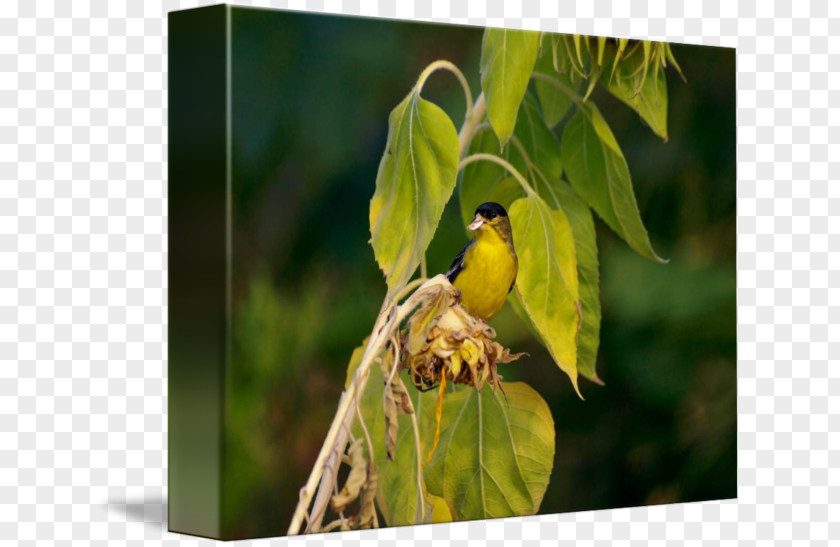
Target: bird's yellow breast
pixel 490 267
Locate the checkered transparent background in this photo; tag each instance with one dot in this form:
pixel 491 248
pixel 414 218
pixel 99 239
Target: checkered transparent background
pixel 83 258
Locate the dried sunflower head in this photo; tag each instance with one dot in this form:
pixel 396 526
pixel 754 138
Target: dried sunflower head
pixel 444 341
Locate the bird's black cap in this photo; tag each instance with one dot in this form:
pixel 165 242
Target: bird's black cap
pixel 491 210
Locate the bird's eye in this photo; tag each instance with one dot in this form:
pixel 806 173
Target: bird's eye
pixel 491 216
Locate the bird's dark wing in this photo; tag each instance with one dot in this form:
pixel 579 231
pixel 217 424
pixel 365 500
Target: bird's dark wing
pixel 458 264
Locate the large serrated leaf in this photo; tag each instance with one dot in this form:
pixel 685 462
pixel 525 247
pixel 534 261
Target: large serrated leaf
pixel 513 448
pixel 642 87
pixel 495 453
pixel 543 150
pixel 416 177
pixel 596 167
pixel 507 60
pixel 559 194
pixel 547 282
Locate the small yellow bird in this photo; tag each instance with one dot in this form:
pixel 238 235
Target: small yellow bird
pixel 485 270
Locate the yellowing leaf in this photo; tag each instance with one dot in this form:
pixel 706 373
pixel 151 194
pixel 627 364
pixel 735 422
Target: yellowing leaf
pixel 642 87
pixel 543 147
pixel 416 177
pixel 598 172
pixel 507 59
pixel 542 165
pixel 546 180
pixel 495 453
pixel 561 195
pixel 547 282
pixel 440 511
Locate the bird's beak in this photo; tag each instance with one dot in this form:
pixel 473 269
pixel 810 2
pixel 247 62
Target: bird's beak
pixel 476 223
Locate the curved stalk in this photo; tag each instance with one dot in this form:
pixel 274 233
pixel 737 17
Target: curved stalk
pixel 447 65
pixel 559 85
pixel 322 498
pixel 471 125
pixel 499 161
pixel 408 289
pixel 518 145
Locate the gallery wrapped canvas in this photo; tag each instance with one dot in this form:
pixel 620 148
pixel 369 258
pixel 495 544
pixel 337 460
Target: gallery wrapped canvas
pixel 427 273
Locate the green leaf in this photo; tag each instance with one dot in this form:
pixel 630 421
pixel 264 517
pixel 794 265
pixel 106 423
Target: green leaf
pixel 495 453
pixel 593 80
pixel 540 144
pixel 622 45
pixel 545 150
pixel 416 177
pixel 494 457
pixel 547 282
pixel 561 195
pixel 576 39
pixel 598 172
pixel 507 59
pixel 641 85
pixel 669 55
pixel 602 42
pixel 554 62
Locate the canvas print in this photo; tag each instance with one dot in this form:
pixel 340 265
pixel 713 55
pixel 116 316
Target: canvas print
pixel 427 273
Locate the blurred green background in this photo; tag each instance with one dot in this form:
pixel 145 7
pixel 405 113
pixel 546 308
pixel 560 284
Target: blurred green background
pixel 311 98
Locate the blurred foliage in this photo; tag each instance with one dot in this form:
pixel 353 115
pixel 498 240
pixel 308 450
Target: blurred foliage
pixel 311 97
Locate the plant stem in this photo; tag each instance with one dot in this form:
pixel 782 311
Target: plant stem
pixel 559 85
pixel 499 161
pixel 471 124
pixel 330 474
pixel 405 291
pixel 357 384
pixel 388 321
pixel 447 65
